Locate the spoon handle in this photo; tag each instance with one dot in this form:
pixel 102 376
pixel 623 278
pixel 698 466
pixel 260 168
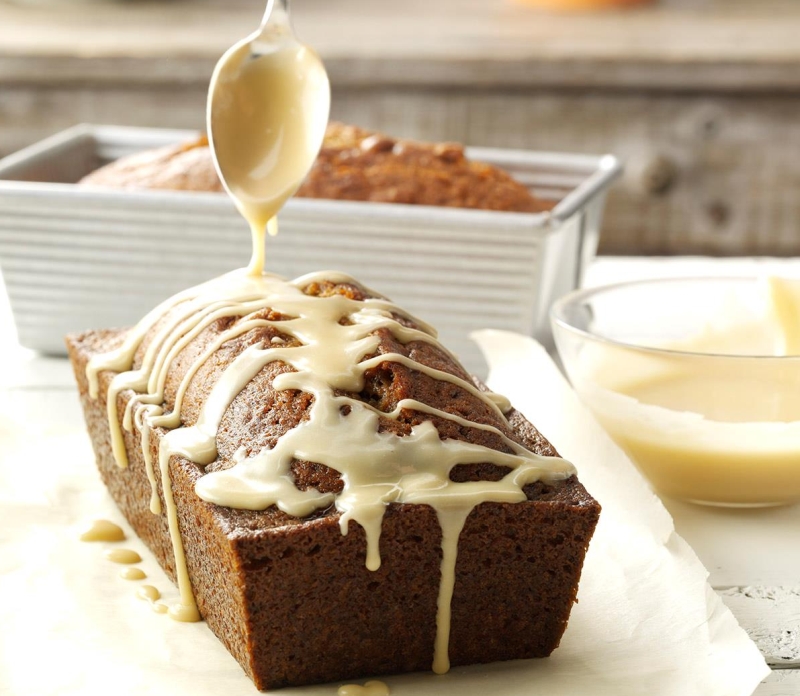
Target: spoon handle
pixel 276 14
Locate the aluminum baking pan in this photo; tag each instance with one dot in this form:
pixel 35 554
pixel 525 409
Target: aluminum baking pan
pixel 75 258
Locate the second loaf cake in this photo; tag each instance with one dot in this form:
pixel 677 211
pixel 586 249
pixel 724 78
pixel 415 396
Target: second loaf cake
pixel 354 164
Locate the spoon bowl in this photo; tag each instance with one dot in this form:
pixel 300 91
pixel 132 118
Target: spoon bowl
pixel 268 107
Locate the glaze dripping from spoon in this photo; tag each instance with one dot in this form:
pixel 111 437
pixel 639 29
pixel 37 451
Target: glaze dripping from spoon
pixel 268 106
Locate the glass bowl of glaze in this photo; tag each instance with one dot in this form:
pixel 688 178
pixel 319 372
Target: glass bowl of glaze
pixel 696 379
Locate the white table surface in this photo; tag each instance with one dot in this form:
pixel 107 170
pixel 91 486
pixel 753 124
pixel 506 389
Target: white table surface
pixel 753 556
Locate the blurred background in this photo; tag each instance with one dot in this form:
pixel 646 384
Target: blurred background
pixel 701 98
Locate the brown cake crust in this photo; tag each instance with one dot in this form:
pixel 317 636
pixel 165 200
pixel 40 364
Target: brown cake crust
pixel 292 598
pixel 354 164
pixel 184 167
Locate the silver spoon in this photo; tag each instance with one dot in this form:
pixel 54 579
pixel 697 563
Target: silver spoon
pixel 268 106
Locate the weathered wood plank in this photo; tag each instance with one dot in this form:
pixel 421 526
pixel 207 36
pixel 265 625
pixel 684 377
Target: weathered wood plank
pixel 782 682
pixel 673 44
pixel 771 617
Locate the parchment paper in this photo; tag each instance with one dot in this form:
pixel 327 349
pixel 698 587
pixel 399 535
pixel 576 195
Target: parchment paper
pixel 646 623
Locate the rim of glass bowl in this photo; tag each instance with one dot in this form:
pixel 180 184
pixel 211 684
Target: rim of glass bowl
pixel 557 315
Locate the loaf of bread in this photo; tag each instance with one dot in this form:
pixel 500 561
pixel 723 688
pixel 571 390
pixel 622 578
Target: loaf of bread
pixel 291 597
pixel 354 164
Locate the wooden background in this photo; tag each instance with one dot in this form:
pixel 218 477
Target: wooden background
pixel 701 98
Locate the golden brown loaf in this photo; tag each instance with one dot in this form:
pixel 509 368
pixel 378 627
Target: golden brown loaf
pixel 291 597
pixel 354 164
pixel 184 167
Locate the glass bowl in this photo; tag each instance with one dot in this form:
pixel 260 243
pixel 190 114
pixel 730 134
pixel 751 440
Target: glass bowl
pixel 690 377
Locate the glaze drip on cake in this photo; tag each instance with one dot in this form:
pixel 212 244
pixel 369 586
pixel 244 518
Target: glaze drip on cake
pixel 332 343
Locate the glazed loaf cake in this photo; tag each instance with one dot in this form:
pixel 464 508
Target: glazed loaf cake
pixel 354 164
pixel 291 598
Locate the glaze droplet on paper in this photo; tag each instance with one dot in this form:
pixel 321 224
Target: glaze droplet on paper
pixel 370 688
pixel 149 593
pixel 103 530
pixel 132 574
pixel 124 556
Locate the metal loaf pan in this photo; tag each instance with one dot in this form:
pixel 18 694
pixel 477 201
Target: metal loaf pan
pixel 75 258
